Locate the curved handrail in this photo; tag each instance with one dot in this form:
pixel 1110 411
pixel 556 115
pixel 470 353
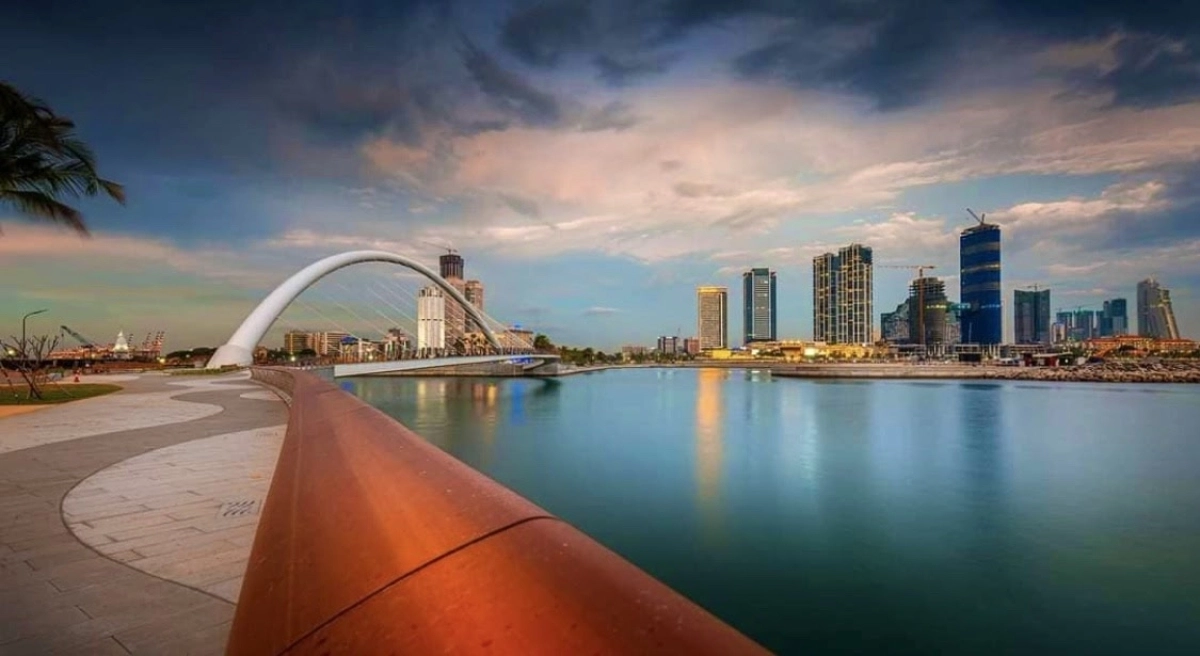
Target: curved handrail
pixel 374 541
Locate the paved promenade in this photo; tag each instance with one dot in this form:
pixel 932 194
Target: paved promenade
pixel 126 520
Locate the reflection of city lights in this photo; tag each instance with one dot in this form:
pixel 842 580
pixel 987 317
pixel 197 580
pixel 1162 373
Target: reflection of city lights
pixel 708 434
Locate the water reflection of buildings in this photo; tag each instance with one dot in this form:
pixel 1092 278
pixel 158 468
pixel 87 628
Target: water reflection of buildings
pixel 709 412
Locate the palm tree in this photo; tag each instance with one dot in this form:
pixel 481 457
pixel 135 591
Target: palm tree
pixel 42 160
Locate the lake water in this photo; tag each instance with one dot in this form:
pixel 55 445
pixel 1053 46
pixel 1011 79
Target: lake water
pixel 861 517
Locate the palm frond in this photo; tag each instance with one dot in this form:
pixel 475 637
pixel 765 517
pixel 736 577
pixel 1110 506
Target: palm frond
pixel 38 204
pixel 42 159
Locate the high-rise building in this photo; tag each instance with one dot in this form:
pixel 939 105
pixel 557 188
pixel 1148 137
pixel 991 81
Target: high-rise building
pixel 979 260
pixel 1156 317
pixel 931 321
pixel 824 297
pixel 669 345
pixel 1083 325
pixel 1063 325
pixel 1114 319
pixel 758 301
pixel 450 266
pixel 1031 317
pixel 431 319
pixel 474 293
pixel 691 346
pixel 295 341
pixel 712 317
pixel 843 296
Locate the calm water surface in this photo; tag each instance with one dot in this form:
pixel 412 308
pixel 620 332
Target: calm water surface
pixel 861 517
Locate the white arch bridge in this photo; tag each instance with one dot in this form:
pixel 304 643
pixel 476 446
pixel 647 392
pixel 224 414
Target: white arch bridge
pixel 239 349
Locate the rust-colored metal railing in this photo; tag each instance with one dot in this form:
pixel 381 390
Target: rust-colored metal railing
pixel 373 541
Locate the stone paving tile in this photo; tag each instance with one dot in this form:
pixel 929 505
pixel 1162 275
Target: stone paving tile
pixel 98 416
pixel 59 596
pixel 174 496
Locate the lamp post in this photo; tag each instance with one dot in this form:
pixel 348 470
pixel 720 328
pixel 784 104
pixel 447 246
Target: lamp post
pixel 24 349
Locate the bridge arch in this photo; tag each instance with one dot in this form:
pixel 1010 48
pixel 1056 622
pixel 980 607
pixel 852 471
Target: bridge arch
pixel 239 350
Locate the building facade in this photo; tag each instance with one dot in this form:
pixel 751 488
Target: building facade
pixel 979 275
pixel 1031 317
pixel 295 341
pixel 669 345
pixel 1114 321
pixel 1156 317
pixel 758 306
pixel 824 297
pixel 450 266
pixel 431 320
pixel 473 290
pixel 927 325
pixel 328 343
pixel 1083 325
pixel 712 317
pixel 843 296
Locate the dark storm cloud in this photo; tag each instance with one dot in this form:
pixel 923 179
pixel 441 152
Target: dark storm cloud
pixel 891 51
pixel 541 33
pixel 510 91
pixel 619 71
pixel 1149 71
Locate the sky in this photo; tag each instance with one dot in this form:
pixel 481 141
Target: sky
pixel 594 161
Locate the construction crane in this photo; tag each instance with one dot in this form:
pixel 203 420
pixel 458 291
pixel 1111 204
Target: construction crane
pixel 83 341
pixel 977 217
pixel 449 249
pixel 920 292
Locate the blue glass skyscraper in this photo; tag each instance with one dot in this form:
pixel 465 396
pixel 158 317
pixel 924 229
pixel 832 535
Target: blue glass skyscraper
pixel 758 306
pixel 979 259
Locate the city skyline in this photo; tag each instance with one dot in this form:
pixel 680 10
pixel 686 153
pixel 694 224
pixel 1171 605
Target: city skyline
pixel 596 173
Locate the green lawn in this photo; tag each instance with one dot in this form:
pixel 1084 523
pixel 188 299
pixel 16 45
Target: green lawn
pixel 51 393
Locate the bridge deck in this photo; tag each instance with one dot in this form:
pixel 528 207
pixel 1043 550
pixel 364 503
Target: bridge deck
pixel 527 361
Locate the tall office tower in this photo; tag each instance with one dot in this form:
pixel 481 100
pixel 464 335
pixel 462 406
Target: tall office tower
pixel 1114 319
pixel 1031 317
pixel 930 321
pixel 1156 317
pixel 431 319
pixel 450 265
pixel 843 296
pixel 1063 322
pixel 758 306
pixel 1083 325
pixel 474 293
pixel 979 262
pixel 855 292
pixel 824 297
pixel 295 341
pixel 712 317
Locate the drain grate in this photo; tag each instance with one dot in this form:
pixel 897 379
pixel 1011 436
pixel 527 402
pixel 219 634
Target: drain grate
pixel 239 508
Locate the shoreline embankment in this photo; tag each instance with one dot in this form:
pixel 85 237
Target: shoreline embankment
pixel 1106 372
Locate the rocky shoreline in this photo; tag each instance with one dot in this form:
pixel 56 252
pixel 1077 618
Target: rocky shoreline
pixel 1107 372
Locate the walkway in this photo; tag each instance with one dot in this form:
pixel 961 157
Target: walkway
pixel 163 482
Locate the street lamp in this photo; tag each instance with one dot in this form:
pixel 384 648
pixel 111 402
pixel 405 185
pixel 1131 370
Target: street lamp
pixel 24 355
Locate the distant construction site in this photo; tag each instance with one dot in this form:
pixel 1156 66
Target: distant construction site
pixel 119 350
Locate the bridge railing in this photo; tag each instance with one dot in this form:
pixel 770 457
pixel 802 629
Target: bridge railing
pixel 374 541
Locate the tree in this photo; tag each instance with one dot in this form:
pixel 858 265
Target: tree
pixel 42 160
pixel 542 343
pixel 32 352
